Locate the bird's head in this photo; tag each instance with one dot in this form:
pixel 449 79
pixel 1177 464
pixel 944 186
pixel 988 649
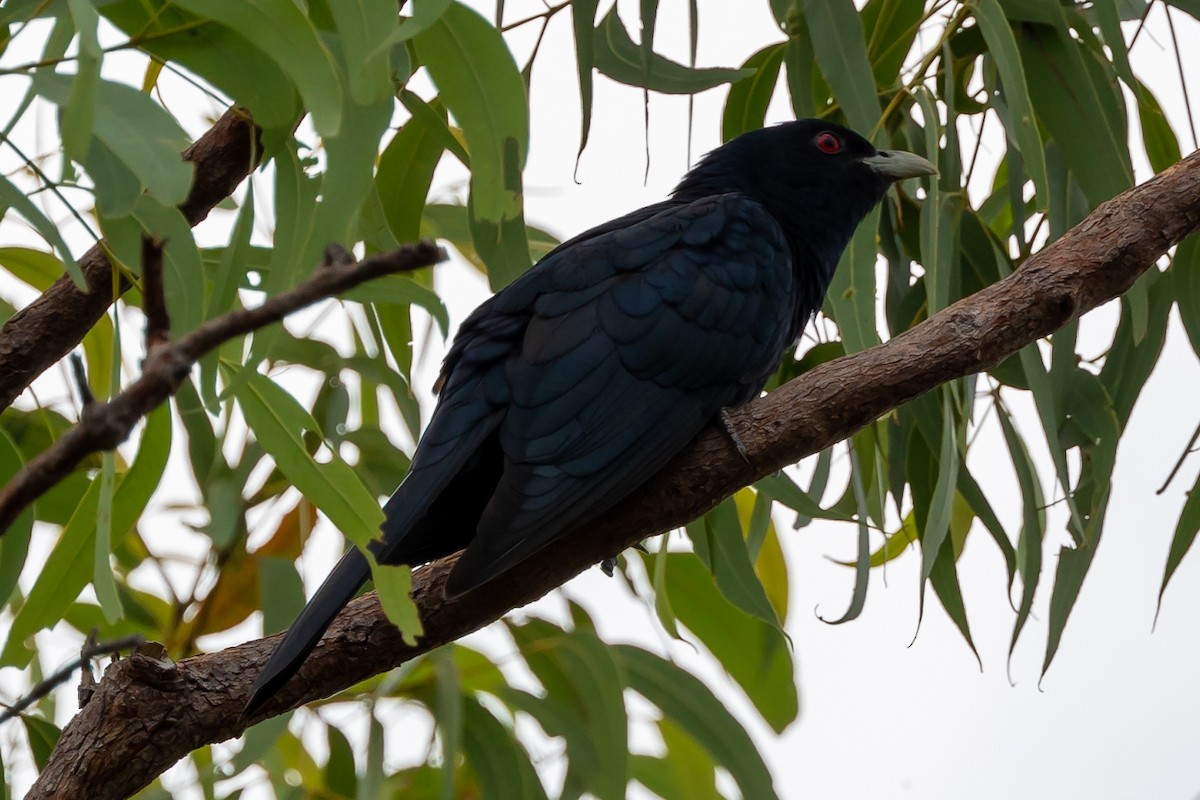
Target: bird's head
pixel 818 179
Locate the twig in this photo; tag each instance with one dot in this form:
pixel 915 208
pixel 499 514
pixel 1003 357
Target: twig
pixel 1187 451
pixel 91 649
pixel 51 326
pixel 154 297
pixel 86 398
pixel 108 424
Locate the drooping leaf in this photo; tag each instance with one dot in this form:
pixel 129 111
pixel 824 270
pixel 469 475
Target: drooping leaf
pixel 746 106
pixel 851 297
pixel 70 565
pixel 583 20
pixel 137 131
pixel 619 58
pixel 841 52
pixel 281 30
pixel 499 762
pixel 479 82
pixel 13 198
pixel 691 705
pixel 277 421
pixel 14 544
pixel 1183 538
pixel 754 653
pixel 1019 121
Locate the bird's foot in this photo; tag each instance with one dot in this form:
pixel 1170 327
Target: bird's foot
pixel 609 565
pixel 731 431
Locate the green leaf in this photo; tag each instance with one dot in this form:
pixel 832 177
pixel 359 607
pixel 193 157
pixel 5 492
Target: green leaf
pixel 892 26
pixel 43 736
pixel 782 489
pixel 841 52
pixel 481 86
pixel 364 26
pixel 1074 100
pixel 222 56
pixel 137 131
pixel 975 498
pixel 13 198
pixel 1185 272
pixel 720 543
pixel 449 714
pixel 746 106
pixel 1162 146
pixel 583 703
pixel 80 111
pixel 851 297
pixel 393 585
pixel 689 703
pixel 400 290
pixel 1033 522
pixel 183 268
pixel 402 182
pixel 230 272
pixel 70 565
pixel 1128 364
pixel 425 13
pixel 687 769
pixel 583 18
pixel 944 580
pixel 102 576
pixel 279 29
pixel 499 762
pixel 754 653
pixel 341 776
pixel 277 421
pixel 619 58
pixel 1019 121
pixel 14 544
pixel 1183 538
pixel 350 169
pixel 937 523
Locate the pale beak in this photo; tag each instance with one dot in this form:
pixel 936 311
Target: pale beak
pixel 895 165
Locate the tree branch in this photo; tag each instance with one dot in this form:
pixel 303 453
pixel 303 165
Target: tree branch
pixel 103 426
pixel 147 715
pixel 47 329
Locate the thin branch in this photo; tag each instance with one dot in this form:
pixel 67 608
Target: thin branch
pixel 86 398
pixel 52 325
pixel 1187 451
pixel 91 649
pixel 103 426
pixel 147 714
pixel 154 297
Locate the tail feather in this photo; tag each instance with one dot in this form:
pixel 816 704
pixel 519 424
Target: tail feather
pixel 338 589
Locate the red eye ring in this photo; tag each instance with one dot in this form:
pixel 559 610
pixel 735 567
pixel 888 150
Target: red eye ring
pixel 828 143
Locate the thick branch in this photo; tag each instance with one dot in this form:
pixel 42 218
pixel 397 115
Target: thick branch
pixel 48 328
pixel 105 425
pixel 146 716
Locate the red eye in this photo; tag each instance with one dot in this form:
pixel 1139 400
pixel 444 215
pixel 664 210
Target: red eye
pixel 829 143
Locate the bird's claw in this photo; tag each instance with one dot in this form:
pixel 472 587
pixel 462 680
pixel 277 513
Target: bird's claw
pixel 731 431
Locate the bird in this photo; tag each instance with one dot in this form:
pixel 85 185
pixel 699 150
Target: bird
pixel 573 385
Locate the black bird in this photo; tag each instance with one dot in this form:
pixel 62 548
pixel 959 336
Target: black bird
pixel 576 383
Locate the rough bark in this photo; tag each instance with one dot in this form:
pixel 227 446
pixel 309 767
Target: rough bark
pixel 47 329
pixel 146 714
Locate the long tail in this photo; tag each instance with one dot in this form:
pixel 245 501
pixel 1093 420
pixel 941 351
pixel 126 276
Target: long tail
pixel 338 589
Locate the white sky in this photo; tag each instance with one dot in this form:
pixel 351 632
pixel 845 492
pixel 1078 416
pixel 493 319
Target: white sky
pixel 1118 716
